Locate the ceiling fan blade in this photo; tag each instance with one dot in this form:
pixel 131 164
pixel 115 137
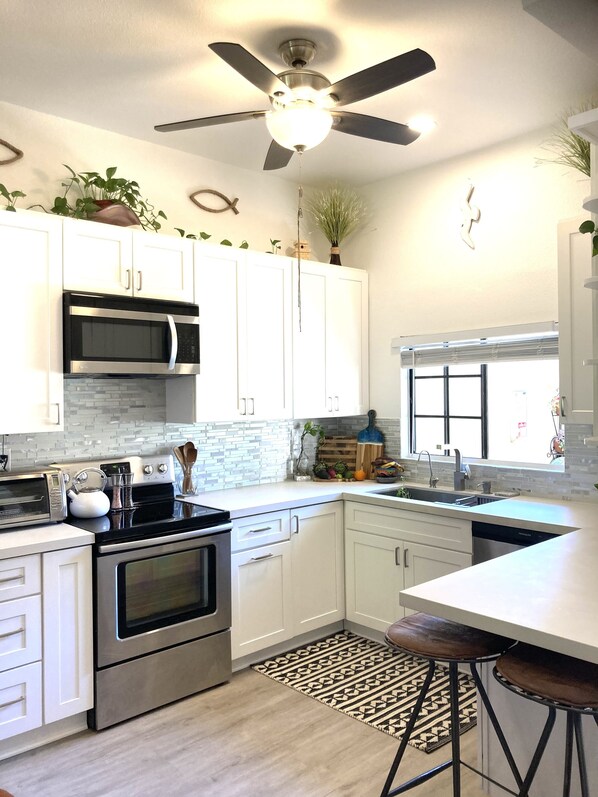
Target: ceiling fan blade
pixel 382 77
pixel 357 124
pixel 248 65
pixel 208 121
pixel 277 157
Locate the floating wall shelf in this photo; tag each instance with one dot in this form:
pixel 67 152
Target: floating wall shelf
pixel 585 125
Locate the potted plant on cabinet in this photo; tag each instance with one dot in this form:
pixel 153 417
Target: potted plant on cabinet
pixel 106 198
pixel 337 212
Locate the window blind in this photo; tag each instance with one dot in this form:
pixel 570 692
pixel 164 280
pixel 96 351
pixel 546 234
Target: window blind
pixel 481 350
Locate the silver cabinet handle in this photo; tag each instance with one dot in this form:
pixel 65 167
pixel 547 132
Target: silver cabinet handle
pixel 12 702
pixel 398 557
pixel 259 531
pixel 244 410
pixel 258 558
pixel 296 519
pixel 252 411
pixel 174 342
pixel 128 285
pixel 563 413
pixel 336 404
pixel 139 280
pixel 11 633
pixel 8 579
pixel 405 562
pixel 329 403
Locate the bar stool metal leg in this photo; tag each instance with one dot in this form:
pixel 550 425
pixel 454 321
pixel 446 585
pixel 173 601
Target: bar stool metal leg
pixel 581 756
pixel 539 752
pixel 455 739
pixel 386 791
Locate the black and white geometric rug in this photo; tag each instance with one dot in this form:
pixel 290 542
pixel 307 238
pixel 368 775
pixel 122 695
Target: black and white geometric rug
pixel 375 685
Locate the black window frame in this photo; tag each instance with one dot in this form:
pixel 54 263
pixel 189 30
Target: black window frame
pixel 446 376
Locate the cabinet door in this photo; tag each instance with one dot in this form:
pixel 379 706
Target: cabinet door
pixel 423 563
pixel 214 394
pixel 373 579
pixel 312 397
pixel 575 323
pixel 318 566
pixel 97 257
pixel 265 346
pixel 67 615
pixel 347 342
pixel 20 700
pixel 162 267
pixel 31 355
pixel 262 598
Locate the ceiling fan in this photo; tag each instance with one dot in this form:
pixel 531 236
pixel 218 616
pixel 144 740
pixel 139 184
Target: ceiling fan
pixel 305 103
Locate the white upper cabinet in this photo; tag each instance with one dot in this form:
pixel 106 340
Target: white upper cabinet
pixel 330 341
pixel 575 323
pixel 104 258
pixel 31 355
pixel 244 303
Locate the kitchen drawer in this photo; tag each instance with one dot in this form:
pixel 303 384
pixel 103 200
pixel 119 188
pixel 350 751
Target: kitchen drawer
pixel 20 700
pixel 442 531
pixel 20 576
pixel 20 632
pixel 255 530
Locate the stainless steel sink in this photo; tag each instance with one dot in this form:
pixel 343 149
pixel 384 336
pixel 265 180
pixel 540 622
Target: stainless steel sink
pixel 435 496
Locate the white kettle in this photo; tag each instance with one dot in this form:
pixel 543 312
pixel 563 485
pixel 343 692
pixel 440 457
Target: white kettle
pixel 88 501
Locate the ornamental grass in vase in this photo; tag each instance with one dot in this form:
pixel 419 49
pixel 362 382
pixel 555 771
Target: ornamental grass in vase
pixel 337 212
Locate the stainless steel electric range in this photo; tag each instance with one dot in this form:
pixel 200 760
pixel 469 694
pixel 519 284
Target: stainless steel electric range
pixel 162 593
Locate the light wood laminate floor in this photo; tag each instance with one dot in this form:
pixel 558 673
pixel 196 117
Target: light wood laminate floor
pixel 249 737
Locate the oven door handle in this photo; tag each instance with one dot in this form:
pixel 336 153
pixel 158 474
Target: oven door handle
pixel 150 542
pixel 174 342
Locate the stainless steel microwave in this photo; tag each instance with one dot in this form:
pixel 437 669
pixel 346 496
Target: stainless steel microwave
pixel 120 336
pixel 29 497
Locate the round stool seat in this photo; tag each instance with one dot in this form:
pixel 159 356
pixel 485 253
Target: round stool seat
pixel 551 676
pixel 443 640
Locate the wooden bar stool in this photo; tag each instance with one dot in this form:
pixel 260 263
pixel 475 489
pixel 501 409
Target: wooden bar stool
pixel 558 682
pixel 439 640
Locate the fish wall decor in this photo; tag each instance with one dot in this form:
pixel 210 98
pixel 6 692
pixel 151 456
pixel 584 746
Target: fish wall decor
pixel 16 156
pixel 230 204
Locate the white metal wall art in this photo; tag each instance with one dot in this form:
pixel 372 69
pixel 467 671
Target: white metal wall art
pixel 470 213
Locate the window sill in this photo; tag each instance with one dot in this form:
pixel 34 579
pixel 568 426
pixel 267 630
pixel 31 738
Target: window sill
pixel 556 466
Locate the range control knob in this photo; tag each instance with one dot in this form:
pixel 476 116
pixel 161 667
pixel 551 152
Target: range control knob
pixel 162 468
pixel 148 469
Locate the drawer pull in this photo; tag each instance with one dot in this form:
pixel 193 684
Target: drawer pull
pixel 398 557
pixel 10 578
pixel 265 556
pixel 405 552
pixel 11 633
pixel 258 531
pixel 12 702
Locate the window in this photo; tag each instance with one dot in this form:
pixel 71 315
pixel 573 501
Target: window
pixel 492 397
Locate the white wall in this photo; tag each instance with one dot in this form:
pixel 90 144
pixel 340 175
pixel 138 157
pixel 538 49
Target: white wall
pixel 267 204
pixel 424 278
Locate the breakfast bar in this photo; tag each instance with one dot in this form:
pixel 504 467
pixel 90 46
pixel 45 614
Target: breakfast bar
pixel 546 596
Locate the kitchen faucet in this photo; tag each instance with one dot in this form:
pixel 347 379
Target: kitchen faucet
pixel 433 480
pixel 461 472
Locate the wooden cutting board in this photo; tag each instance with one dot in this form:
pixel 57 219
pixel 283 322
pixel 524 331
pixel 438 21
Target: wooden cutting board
pixel 366 454
pixel 338 449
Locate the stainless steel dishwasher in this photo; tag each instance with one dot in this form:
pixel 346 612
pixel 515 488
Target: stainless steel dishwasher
pixel 491 540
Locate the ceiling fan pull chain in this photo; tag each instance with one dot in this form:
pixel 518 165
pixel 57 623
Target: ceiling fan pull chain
pixel 299 217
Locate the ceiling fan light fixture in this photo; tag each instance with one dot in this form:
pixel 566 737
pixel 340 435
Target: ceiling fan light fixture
pixel 299 125
pixel 422 124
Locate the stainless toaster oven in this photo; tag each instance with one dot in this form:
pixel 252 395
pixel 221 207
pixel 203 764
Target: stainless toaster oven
pixel 29 497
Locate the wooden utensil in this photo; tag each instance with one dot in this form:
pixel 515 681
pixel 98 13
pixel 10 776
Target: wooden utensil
pixel 189 459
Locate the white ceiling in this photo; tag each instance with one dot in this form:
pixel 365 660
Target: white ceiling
pixel 126 65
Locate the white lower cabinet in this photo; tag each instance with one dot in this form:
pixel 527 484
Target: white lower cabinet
pixel 46 667
pixel 291 585
pixel 387 550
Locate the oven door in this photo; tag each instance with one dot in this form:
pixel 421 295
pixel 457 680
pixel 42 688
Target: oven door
pixel 153 594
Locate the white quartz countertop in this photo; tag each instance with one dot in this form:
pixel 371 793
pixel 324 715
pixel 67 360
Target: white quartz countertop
pixel 41 539
pixel 540 514
pixel 546 595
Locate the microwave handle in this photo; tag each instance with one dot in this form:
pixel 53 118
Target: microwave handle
pixel 174 342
